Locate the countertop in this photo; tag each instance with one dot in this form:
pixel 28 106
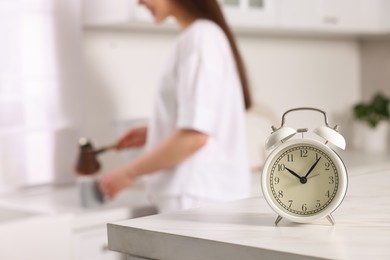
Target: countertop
pixel 64 200
pixel 245 229
pixel 49 222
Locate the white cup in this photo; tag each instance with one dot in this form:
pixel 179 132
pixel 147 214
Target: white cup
pixel 89 192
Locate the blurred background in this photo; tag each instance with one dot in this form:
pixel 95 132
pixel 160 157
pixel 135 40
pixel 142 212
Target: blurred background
pixel 89 68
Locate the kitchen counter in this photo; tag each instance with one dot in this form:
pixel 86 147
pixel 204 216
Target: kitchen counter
pixel 245 229
pixel 54 200
pixel 49 222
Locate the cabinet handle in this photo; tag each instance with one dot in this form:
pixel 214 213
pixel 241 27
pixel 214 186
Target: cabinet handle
pixel 330 20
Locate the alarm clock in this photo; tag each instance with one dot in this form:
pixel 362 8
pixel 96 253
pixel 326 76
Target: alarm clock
pixel 304 179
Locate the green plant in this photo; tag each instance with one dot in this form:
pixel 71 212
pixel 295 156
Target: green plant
pixel 374 112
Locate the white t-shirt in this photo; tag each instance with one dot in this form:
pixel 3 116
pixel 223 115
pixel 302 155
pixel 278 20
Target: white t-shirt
pixel 200 90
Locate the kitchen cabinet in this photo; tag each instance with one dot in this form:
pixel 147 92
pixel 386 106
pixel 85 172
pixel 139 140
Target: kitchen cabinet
pixel 118 13
pixel 102 12
pixel 298 14
pixel 63 229
pixel 354 16
pixel 240 13
pixel 92 244
pixel 374 15
pixel 338 16
pixel 384 11
pixel 34 236
pixel 250 13
pixel 342 15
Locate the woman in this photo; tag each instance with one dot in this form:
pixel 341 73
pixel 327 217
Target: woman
pixel 196 146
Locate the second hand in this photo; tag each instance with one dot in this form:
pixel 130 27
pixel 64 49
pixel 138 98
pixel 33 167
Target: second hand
pixel 313 176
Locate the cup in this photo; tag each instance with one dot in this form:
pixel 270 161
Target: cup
pixel 89 192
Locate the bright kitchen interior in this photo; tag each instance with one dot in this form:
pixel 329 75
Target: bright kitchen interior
pixel 89 68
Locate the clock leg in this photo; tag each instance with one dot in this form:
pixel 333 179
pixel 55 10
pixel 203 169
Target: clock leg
pixel 330 219
pixel 278 219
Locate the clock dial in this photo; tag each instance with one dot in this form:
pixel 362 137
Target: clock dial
pixel 302 179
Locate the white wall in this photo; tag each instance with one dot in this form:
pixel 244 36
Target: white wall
pixel 123 68
pixel 40 75
pixel 375 77
pixel 375 67
pixel 293 72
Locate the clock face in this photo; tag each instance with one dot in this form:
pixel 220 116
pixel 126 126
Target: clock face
pixel 303 179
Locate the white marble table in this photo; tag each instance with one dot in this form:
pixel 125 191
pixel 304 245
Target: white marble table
pixel 245 229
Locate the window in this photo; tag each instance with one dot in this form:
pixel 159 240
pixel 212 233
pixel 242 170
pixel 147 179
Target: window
pixel 35 114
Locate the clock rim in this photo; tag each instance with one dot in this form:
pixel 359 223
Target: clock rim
pixel 334 204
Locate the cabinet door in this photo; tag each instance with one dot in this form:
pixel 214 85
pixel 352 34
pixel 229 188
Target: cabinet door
pixel 344 15
pixel 371 14
pixel 299 14
pixel 357 15
pixel 333 15
pixel 250 13
pixel 384 13
pixel 92 244
pixel 103 12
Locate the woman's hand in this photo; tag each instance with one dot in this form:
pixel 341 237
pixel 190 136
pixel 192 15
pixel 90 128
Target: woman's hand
pixel 169 153
pixel 116 180
pixel 136 137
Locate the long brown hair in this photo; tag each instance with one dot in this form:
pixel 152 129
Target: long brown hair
pixel 209 9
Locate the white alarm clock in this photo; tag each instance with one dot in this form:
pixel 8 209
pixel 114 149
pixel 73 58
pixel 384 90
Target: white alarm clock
pixel 303 179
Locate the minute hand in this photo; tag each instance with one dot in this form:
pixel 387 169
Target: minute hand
pixel 312 167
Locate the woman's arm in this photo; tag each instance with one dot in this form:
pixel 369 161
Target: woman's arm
pixel 175 149
pixel 135 137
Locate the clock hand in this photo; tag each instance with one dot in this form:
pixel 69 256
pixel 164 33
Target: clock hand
pixel 312 167
pixel 293 173
pixel 312 176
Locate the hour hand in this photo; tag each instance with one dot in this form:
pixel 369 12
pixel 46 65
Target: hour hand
pixel 293 173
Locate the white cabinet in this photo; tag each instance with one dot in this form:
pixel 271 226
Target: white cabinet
pixel 298 14
pixel 35 237
pixel 250 13
pixel 320 14
pixel 103 12
pixel 349 16
pixel 92 244
pixel 344 15
pixel 356 15
pixel 335 15
pixel 384 14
